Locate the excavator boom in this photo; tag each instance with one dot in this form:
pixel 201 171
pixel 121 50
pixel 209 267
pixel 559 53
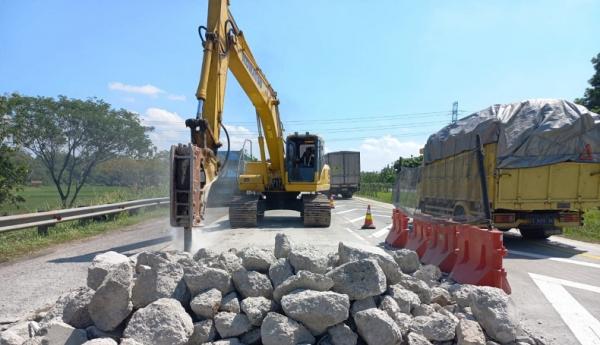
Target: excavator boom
pixel 194 167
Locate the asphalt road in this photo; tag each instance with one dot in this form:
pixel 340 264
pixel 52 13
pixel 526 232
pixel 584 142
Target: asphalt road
pixel 555 283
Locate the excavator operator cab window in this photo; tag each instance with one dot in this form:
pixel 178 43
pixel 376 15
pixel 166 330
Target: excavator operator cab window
pixel 302 159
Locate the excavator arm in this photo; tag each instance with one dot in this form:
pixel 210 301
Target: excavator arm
pixel 195 167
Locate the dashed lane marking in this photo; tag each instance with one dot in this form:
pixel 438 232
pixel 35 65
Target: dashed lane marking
pixel 382 232
pixel 346 211
pixel 356 235
pixel 356 219
pixel 584 326
pixel 540 256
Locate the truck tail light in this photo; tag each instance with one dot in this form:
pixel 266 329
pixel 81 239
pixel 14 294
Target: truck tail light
pixel 504 218
pixel 569 218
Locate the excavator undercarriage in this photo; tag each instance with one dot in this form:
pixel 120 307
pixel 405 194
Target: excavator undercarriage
pixel 249 210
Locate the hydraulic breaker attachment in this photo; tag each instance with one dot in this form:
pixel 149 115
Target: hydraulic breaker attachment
pixel 193 169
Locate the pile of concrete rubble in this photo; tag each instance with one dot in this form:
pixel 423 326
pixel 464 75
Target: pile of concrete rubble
pixel 289 295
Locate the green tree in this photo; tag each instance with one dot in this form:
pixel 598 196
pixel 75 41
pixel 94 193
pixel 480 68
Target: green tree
pixel 13 175
pixel 591 97
pixel 72 136
pixel 411 162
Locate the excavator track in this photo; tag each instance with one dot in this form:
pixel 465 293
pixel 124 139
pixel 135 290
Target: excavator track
pixel 317 212
pixel 243 212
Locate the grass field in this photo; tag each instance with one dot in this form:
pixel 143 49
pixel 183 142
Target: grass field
pixel 23 242
pixel 590 231
pixel 378 196
pixel 46 198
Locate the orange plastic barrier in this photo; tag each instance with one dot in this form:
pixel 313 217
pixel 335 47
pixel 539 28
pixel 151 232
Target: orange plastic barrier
pixel 479 261
pixel 471 255
pixel 417 238
pixel 441 247
pixel 398 235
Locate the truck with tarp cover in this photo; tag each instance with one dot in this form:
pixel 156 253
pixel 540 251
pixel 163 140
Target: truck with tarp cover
pixel 541 166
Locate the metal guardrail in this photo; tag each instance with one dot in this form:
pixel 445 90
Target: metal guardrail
pixel 42 220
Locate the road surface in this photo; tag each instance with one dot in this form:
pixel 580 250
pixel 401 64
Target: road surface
pixel 555 283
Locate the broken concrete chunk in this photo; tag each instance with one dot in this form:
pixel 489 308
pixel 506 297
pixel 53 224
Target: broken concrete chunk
pixel 279 271
pixel 252 284
pixel 206 278
pixel 469 332
pixel 204 331
pixel 406 299
pixel 309 258
pixel 362 304
pixel 101 265
pixel 111 304
pixel 101 341
pixel 407 259
pixel 75 307
pixel 303 280
pixel 60 333
pixel 317 310
pixel 283 246
pixel 435 327
pixel 206 304
pixel 230 325
pixel 163 322
pixel 278 329
pixel 230 303
pixel 158 278
pixel 430 274
pixel 377 328
pixel 358 279
pixel 495 312
pixel 256 259
pixel 341 334
pixel 11 338
pixel 417 339
pixel 256 308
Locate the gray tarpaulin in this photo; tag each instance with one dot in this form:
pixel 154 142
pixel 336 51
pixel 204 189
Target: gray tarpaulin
pixel 529 133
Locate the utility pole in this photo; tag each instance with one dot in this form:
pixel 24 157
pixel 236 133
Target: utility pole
pixel 454 112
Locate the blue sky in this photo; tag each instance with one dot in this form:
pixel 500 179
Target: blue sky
pixel 371 76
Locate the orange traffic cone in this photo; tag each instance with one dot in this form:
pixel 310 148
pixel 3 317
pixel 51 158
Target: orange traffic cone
pixel 368 220
pixel 331 203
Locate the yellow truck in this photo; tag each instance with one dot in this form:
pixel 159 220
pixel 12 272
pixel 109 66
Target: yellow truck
pixel 539 163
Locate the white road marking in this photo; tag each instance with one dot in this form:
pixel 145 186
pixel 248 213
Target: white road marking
pixel 540 256
pixel 356 219
pixel 564 282
pixel 356 235
pixel 346 211
pixel 585 327
pixel 382 231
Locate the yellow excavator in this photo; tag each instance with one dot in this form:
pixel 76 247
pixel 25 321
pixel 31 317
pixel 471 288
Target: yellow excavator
pixel 293 174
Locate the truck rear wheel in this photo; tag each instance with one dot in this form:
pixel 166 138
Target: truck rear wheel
pixel 459 215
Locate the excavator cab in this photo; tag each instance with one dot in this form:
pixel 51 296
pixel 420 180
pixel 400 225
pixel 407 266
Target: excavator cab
pixel 304 157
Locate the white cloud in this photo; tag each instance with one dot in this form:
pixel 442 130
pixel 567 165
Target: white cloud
pixel 149 90
pixel 376 153
pixel 177 97
pixel 170 129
